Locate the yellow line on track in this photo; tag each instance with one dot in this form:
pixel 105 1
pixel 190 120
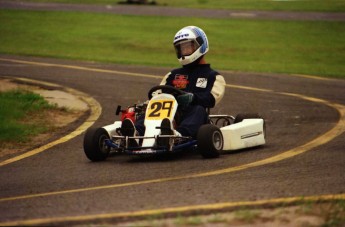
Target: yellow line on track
pixel 175 210
pixel 314 77
pixel 81 68
pixel 248 88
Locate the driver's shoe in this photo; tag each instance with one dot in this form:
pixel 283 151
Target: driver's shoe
pixel 128 129
pixel 166 129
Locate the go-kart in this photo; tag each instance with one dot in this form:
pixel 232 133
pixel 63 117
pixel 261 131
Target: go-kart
pixel 221 133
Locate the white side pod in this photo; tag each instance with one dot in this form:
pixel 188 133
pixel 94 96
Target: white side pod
pixel 245 134
pixel 111 129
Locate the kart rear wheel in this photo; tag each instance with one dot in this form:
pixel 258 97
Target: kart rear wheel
pixel 94 144
pixel 210 141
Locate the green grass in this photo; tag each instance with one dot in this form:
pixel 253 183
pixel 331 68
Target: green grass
pixel 247 215
pixel 302 47
pixel 300 5
pixel 334 214
pixel 19 110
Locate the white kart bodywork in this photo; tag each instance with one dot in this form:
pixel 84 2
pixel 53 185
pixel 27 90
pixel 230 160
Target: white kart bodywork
pixel 111 129
pixel 160 106
pixel 244 134
pixel 151 123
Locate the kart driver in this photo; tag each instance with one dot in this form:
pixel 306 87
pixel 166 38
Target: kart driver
pixel 204 86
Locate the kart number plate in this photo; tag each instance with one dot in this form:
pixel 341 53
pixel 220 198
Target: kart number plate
pixel 160 109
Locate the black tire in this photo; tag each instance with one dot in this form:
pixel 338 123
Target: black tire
pixel 241 117
pixel 210 141
pixel 94 144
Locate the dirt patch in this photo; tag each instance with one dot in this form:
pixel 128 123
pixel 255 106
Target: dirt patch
pixel 308 214
pixel 70 111
pixel 6 85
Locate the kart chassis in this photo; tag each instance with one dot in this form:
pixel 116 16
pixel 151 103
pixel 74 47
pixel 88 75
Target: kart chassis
pixel 221 133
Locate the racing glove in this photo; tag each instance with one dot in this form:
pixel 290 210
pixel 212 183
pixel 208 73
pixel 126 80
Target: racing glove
pixel 185 99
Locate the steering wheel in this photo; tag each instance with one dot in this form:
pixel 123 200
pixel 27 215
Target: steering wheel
pixel 166 89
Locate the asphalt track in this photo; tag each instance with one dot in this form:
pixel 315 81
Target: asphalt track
pixel 304 156
pixel 173 11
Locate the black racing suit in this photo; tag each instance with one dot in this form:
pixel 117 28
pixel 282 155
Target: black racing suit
pixel 208 88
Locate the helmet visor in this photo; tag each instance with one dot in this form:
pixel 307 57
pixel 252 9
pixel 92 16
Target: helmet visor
pixel 185 48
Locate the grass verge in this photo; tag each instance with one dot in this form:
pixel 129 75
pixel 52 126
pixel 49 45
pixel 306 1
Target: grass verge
pixel 302 47
pixel 22 116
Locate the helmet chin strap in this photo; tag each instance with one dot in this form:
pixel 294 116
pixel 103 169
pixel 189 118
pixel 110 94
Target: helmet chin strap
pixel 194 63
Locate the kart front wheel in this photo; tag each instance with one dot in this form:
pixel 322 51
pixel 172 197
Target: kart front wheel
pixel 95 147
pixel 210 141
